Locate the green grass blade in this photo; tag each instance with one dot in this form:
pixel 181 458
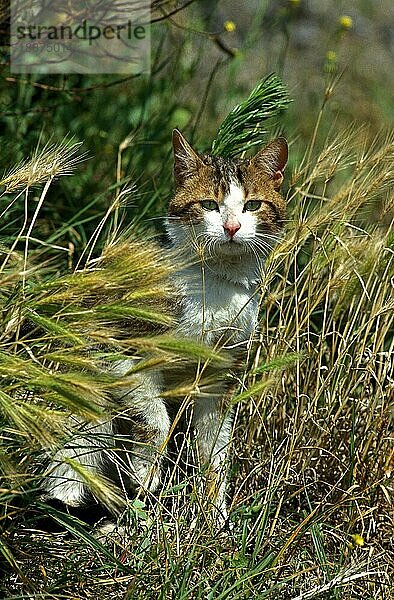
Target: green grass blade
pixel 182 347
pixel 7 554
pixel 115 311
pixel 243 127
pixel 253 390
pixel 78 529
pixel 281 362
pixel 56 329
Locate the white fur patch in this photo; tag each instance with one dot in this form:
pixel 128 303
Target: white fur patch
pixel 234 201
pixel 232 213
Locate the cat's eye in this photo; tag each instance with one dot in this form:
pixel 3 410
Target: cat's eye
pixel 209 205
pixel 252 205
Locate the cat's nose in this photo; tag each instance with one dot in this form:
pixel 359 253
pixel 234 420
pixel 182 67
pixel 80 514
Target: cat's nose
pixel 231 228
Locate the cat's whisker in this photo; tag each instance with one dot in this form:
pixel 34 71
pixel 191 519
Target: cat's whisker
pixel 163 218
pixel 256 251
pixel 261 244
pixel 270 240
pixel 270 236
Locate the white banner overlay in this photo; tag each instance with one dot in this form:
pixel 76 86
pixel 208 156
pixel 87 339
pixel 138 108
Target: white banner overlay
pixel 71 36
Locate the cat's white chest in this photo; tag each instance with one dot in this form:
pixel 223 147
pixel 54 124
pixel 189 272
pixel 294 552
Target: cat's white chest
pixel 217 310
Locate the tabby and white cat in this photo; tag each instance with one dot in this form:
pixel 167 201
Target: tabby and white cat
pixel 225 217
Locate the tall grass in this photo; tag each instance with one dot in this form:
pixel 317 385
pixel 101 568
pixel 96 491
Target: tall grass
pixel 311 462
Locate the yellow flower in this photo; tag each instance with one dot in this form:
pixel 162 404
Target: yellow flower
pixel 331 56
pixel 358 539
pixel 229 26
pixel 330 65
pixel 346 22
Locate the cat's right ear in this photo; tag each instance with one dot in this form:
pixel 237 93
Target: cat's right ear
pixel 186 160
pixel 272 160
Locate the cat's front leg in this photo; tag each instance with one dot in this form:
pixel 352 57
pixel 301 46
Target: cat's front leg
pixel 213 431
pixel 148 435
pixel 143 431
pixel 91 445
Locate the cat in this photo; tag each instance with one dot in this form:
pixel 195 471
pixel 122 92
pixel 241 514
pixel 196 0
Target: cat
pixel 224 218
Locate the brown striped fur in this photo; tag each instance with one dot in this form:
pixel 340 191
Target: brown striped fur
pixel 200 176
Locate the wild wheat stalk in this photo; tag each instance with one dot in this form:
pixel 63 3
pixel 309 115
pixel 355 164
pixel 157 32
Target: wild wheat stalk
pixel 243 127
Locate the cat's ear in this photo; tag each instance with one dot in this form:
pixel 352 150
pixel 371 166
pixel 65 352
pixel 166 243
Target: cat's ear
pixel 272 159
pixel 186 160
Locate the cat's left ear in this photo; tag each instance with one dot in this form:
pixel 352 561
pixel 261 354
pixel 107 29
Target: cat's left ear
pixel 186 159
pixel 272 159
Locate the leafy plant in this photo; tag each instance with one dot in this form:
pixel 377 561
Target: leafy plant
pixel 243 127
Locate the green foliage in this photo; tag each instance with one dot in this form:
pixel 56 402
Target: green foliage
pixel 310 464
pixel 243 127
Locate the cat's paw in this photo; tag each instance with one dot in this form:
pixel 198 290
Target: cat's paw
pixel 146 476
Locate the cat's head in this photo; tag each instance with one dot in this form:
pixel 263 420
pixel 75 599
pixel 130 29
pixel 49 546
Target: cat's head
pixel 227 207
